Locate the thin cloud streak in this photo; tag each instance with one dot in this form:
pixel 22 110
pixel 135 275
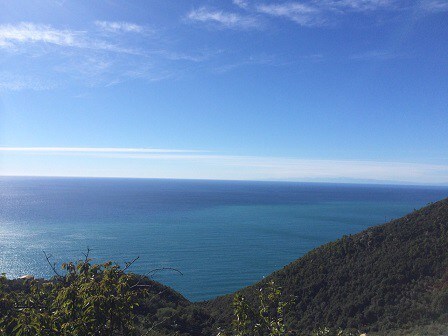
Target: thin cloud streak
pixel 290 169
pixel 303 14
pixel 316 14
pixel 251 167
pixel 25 33
pixel 116 27
pixel 379 55
pixel 241 3
pixel 94 150
pixel 29 32
pixel 102 56
pixel 435 6
pixel 359 5
pixel 311 13
pixel 223 19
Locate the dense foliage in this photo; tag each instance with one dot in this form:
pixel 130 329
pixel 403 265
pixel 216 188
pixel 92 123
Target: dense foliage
pixel 265 319
pixel 393 276
pixel 87 300
pixel 95 299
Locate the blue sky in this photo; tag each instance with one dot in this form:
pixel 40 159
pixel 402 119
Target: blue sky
pixel 330 90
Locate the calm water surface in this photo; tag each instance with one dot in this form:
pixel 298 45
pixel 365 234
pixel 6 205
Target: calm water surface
pixel 221 235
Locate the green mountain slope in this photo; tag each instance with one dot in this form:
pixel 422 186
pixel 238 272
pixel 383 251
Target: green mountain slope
pixel 393 276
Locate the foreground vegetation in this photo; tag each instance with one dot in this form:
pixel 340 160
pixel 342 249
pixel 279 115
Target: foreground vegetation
pixel 87 300
pixel 388 280
pixel 92 300
pixel 95 299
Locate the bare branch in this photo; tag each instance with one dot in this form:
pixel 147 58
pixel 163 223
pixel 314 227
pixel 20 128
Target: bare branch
pixel 52 265
pixel 86 255
pixel 155 270
pixel 157 294
pixel 129 264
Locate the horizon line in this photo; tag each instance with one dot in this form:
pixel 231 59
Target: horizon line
pixel 131 162
pixel 354 182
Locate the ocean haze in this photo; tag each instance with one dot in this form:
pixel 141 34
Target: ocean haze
pixel 222 235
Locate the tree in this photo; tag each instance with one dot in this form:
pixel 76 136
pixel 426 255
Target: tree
pixel 267 319
pixel 89 299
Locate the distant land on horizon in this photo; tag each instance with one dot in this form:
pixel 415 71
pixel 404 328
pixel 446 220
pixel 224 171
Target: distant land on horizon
pixel 317 181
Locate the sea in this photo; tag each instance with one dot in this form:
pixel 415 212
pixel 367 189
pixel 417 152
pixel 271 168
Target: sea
pixel 219 235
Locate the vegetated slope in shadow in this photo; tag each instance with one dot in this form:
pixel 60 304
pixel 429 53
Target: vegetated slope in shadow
pixel 166 312
pixel 392 276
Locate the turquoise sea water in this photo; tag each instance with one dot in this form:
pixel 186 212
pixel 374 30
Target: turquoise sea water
pixel 221 235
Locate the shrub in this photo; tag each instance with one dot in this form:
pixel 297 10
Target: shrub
pixel 89 299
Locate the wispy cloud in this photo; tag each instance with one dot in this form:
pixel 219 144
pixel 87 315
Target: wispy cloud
pixel 192 57
pixel 246 167
pixel 26 33
pixel 241 3
pixel 223 19
pixel 32 33
pixel 303 14
pixel 435 6
pixel 311 13
pixel 315 13
pixel 379 55
pixel 260 60
pixel 358 5
pixel 102 55
pixel 117 27
pixel 94 150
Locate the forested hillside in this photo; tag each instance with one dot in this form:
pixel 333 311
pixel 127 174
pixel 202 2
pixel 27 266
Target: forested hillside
pixel 393 276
